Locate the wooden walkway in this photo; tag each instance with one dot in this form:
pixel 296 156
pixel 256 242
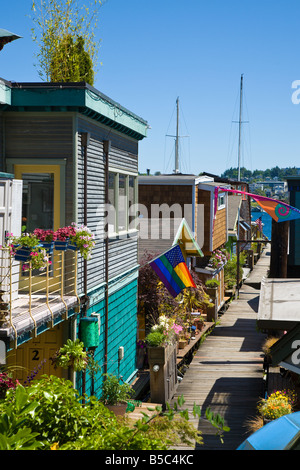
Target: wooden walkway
pixel 226 373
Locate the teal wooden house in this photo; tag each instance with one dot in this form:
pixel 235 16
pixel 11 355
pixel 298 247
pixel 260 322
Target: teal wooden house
pixel 76 152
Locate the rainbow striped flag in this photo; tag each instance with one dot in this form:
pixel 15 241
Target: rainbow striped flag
pixel 173 271
pixel 278 210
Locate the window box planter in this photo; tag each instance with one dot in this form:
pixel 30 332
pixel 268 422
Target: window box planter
pixel 72 247
pixel 23 253
pixel 61 245
pixel 48 246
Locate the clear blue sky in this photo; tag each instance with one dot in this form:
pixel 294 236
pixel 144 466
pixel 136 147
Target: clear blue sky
pixel 155 51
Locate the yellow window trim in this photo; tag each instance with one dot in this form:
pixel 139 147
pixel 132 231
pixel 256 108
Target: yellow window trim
pixel 19 169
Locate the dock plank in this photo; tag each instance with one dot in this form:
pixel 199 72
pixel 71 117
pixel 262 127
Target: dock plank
pixel 226 373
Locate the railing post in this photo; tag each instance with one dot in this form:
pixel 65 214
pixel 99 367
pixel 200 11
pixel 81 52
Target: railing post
pixel 30 299
pixel 62 282
pixel 47 294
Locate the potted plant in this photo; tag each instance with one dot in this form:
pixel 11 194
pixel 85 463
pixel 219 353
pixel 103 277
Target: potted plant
pixel 199 322
pixel 46 238
pixel 39 260
pixel 115 395
pixel 71 355
pixel 63 235
pixel 82 239
pixel 212 287
pixel 22 246
pixel 278 404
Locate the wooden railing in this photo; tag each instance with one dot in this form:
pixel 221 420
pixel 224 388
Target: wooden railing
pixel 32 294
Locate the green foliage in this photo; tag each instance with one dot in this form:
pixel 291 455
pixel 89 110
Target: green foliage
pixel 50 414
pixel 281 173
pixel 212 283
pixel 113 392
pixel 230 269
pixel 14 431
pixel 155 339
pixel 64 31
pixel 71 63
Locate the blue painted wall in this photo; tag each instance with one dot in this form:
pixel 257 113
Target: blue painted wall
pixel 122 331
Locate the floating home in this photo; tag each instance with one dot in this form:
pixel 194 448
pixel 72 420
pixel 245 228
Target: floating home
pixel 74 150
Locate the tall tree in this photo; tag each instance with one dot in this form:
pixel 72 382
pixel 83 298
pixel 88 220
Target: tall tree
pixel 64 31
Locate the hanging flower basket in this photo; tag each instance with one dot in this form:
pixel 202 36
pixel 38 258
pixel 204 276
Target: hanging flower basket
pixel 62 237
pixel 46 238
pixel 83 239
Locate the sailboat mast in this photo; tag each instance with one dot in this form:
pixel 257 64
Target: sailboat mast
pixel 240 129
pixel 177 139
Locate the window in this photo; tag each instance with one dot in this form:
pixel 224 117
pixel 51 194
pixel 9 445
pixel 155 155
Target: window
pixel 122 196
pixel 38 201
pixel 221 201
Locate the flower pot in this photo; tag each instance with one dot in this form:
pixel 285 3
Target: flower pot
pixel 48 246
pixel 182 343
pixel 23 254
pixel 73 247
pixel 61 245
pixel 199 324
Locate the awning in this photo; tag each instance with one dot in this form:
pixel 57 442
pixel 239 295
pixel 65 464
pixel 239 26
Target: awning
pixel 6 37
pixel 279 303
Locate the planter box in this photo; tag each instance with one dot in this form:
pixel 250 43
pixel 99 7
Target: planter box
pixel 60 245
pixel 73 247
pixel 48 247
pixel 212 292
pixel 163 372
pixel 23 254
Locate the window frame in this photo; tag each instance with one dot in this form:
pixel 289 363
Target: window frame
pixel 128 215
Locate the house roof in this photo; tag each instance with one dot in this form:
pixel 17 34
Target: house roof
pixel 173 179
pixel 187 241
pixel 279 303
pixel 79 97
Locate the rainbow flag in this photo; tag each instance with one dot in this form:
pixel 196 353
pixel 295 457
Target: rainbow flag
pixel 278 210
pixel 173 271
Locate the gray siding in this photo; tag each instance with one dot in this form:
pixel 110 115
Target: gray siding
pixel 51 136
pixel 122 251
pixel 2 166
pixel 41 136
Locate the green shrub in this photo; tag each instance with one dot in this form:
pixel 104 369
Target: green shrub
pixel 155 339
pixel 51 414
pixel 113 392
pixel 212 283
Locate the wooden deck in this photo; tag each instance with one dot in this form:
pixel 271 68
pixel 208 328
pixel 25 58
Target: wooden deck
pixel 226 373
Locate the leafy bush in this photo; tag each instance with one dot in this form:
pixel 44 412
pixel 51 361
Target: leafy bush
pixel 155 339
pixel 113 392
pixel 212 283
pixel 50 414
pixel 14 433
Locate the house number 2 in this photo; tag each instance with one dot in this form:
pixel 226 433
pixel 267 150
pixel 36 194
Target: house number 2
pixel 36 356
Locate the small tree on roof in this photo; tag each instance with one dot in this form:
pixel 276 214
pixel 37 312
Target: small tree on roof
pixel 64 31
